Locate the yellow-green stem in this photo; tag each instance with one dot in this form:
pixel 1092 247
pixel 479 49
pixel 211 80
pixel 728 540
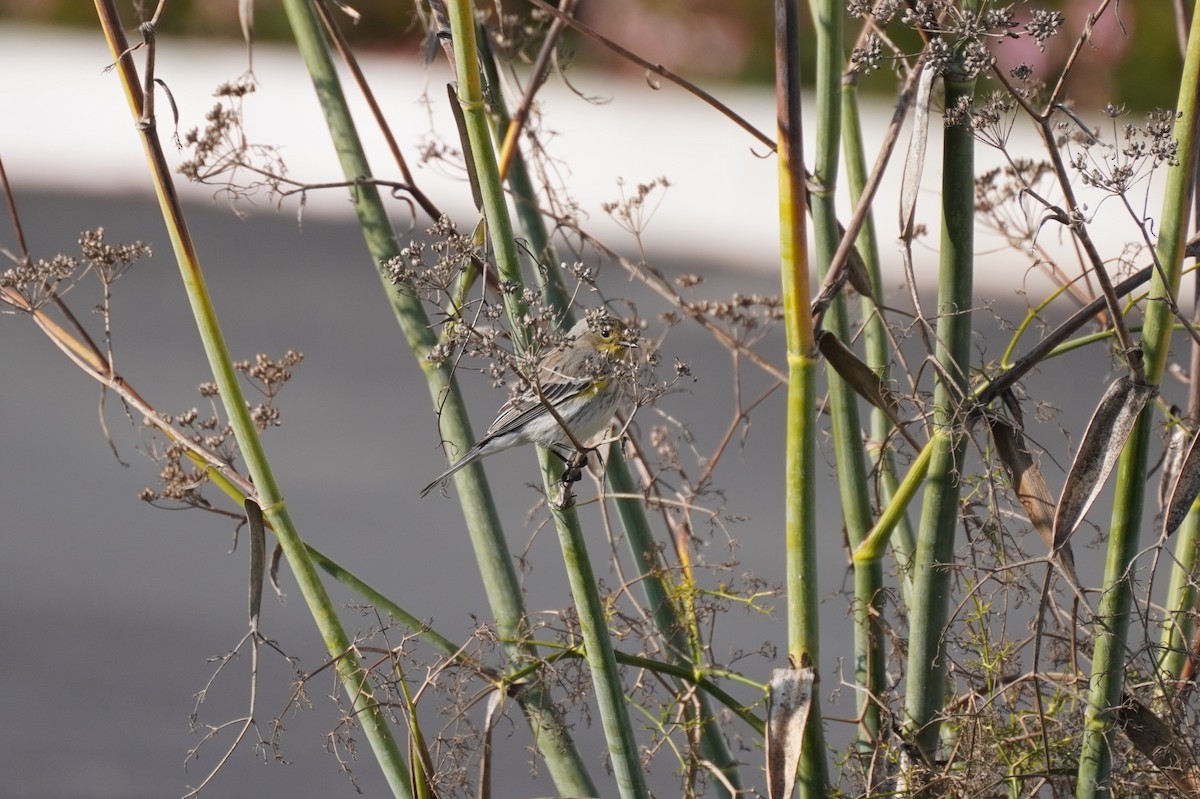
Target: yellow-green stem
pixel 338 644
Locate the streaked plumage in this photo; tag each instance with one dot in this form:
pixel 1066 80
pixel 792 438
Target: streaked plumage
pixel 576 379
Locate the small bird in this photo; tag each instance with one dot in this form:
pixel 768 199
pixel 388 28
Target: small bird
pixel 576 378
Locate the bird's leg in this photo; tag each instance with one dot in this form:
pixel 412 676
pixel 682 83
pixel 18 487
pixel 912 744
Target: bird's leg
pixel 575 465
pixel 577 462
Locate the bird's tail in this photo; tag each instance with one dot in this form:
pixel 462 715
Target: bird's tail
pixel 471 455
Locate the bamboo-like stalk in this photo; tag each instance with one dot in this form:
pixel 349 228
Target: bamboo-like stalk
pixel 869 671
pixel 928 615
pixel 680 637
pixel 338 644
pixel 606 680
pixel 549 278
pixel 800 536
pixel 1181 600
pixel 482 521
pixel 1108 662
pixel 602 662
pixel 630 509
pixel 873 547
pixel 876 342
pixel 1181 592
pixel 1112 626
pixel 482 153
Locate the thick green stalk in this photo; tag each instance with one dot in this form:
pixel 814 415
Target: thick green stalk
pixel 939 512
pixel 622 745
pixel 675 633
pixel 800 478
pixel 548 275
pixel 1181 593
pixel 1112 626
pixel 630 508
pixel 479 512
pixel 593 626
pixel 355 679
pixel 877 348
pixel 1181 600
pixel 1108 662
pixel 869 671
pixel 483 155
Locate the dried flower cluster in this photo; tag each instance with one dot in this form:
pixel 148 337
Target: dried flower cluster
pixel 35 283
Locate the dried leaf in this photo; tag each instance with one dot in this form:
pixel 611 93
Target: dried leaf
pixel 461 122
pixel 276 559
pixel 789 698
pixel 1155 739
pixel 1025 477
pixel 914 163
pixel 1172 463
pixel 1186 487
pixel 861 378
pixel 258 557
pixel 1028 483
pixel 495 706
pixel 856 270
pixel 1101 447
pixel 246 18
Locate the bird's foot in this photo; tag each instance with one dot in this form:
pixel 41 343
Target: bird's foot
pixel 575 466
pixel 576 463
pixel 572 474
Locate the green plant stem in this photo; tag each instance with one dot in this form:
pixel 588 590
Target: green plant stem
pixel 1113 617
pixel 876 342
pixel 632 512
pixel 872 548
pixel 869 671
pixel 548 275
pixel 479 512
pixel 355 679
pixel 622 745
pixel 676 635
pixel 1031 316
pixel 1181 600
pixel 939 512
pixel 800 478
pixel 593 626
pixel 1108 662
pixel 482 153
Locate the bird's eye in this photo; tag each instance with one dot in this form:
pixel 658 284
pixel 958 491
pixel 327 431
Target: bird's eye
pixel 606 332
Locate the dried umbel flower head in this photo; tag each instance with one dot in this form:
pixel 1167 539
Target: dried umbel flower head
pixel 29 286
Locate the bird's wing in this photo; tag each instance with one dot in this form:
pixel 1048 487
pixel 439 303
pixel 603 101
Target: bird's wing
pixel 520 409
